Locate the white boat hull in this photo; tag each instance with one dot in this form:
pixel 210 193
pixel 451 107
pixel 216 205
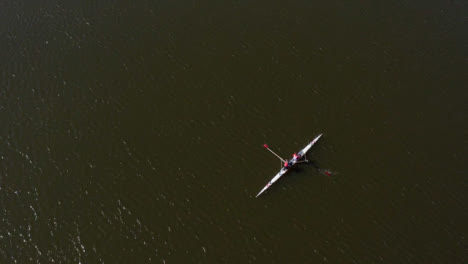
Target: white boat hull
pixel 284 170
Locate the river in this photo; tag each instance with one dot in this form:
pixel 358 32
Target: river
pixel 132 131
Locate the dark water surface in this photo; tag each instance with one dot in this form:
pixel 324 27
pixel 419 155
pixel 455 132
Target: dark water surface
pixel 132 131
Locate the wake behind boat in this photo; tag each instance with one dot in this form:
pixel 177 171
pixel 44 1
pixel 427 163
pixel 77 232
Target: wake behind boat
pixel 297 158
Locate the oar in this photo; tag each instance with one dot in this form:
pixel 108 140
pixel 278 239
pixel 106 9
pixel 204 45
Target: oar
pixel 266 146
pixel 324 171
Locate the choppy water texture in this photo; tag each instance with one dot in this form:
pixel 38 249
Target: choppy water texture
pixel 132 131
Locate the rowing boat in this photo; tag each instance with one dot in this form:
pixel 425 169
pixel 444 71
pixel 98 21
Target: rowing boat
pixel 292 162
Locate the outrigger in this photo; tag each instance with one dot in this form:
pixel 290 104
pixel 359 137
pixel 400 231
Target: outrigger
pixel 297 158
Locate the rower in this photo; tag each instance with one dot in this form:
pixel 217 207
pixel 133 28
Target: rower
pixel 296 157
pixel 286 165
